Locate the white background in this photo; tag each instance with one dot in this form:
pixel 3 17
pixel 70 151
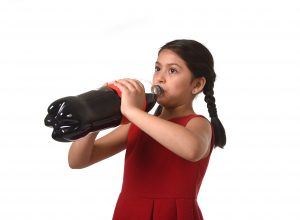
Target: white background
pixel 51 49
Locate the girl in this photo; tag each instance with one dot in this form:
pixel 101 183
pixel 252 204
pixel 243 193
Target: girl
pixel 167 153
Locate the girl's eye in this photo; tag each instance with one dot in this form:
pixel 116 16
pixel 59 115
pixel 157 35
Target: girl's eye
pixel 157 69
pixel 172 70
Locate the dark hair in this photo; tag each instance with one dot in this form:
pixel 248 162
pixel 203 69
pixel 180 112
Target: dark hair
pixel 200 62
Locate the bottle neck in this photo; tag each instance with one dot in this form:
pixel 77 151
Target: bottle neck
pixel 157 90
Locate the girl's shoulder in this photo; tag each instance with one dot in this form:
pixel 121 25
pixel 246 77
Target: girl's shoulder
pixel 183 120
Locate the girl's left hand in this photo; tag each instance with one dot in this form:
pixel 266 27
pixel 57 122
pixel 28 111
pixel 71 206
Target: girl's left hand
pixel 133 95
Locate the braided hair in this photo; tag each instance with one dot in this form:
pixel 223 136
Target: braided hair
pixel 200 62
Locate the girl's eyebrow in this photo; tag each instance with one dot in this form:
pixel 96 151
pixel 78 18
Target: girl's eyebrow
pixel 169 64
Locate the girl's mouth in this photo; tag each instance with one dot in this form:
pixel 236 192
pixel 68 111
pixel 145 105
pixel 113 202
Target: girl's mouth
pixel 157 90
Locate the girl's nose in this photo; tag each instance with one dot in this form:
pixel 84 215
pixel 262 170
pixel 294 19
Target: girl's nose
pixel 159 78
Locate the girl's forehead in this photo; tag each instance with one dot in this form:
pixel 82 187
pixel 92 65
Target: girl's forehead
pixel 168 56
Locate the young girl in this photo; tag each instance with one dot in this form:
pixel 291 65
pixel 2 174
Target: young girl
pixel 167 153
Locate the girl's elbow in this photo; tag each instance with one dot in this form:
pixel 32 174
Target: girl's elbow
pixel 193 157
pixel 75 165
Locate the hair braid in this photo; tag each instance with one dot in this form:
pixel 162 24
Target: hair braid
pixel 220 137
pixel 211 101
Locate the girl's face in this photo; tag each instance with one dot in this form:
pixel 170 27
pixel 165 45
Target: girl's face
pixel 172 74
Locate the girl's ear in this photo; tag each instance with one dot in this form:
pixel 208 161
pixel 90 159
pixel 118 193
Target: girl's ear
pixel 198 85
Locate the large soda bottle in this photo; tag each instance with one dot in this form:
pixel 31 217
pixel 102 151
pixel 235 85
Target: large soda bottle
pixel 73 117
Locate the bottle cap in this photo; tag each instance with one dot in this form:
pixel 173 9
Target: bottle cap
pixel 157 90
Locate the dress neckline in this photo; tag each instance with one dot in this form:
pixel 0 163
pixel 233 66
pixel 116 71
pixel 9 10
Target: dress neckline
pixel 180 117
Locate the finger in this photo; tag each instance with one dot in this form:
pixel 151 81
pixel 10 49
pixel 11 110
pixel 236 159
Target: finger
pixel 138 85
pixel 125 84
pixel 131 85
pixel 120 85
pixel 134 84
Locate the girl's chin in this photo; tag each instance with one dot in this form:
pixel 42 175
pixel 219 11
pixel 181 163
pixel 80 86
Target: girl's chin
pixel 161 100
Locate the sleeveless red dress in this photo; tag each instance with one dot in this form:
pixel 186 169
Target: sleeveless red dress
pixel 158 184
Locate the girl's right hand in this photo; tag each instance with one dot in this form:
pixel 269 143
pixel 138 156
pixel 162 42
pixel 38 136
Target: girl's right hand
pixel 133 95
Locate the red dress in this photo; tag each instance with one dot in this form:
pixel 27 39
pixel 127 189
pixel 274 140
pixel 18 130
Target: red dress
pixel 158 184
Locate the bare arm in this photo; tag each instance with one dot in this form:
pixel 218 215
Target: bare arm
pixel 191 142
pixel 87 151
